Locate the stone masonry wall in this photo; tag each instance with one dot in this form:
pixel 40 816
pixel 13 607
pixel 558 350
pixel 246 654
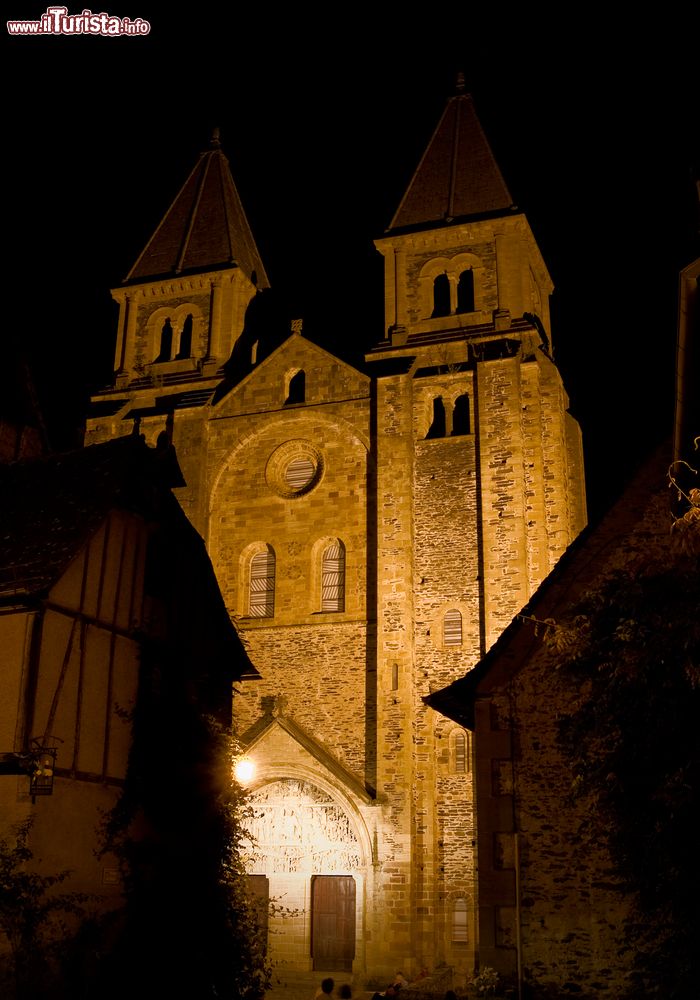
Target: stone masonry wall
pixel 571 918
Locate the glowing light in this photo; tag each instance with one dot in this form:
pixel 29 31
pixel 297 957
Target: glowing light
pixel 244 769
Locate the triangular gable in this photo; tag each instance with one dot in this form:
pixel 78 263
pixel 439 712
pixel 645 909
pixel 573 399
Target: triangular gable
pixel 295 352
pixel 280 738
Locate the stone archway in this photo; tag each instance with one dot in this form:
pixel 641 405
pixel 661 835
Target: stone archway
pixel 298 834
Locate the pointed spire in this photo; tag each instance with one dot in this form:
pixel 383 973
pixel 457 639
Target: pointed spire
pixel 205 228
pixel 458 176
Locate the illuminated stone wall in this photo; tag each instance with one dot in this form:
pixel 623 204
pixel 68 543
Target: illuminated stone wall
pixel 436 526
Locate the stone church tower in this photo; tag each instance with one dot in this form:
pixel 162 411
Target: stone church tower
pixel 372 531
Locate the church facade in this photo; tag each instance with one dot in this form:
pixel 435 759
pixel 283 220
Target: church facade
pixel 373 531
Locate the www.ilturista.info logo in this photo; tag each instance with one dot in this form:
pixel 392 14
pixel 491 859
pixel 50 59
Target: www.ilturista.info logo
pixel 57 21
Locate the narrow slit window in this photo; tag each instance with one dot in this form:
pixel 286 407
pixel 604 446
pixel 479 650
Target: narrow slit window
pixel 452 628
pixel 460 415
pixel 460 750
pixel 438 427
pixel 262 585
pixel 186 338
pixel 333 578
pixel 465 292
pixel 441 296
pixel 459 921
pixel 166 342
pixel 297 388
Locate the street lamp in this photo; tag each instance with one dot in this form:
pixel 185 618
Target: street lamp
pixel 244 769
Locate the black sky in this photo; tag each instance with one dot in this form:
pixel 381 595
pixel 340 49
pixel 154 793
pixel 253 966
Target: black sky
pixel 323 117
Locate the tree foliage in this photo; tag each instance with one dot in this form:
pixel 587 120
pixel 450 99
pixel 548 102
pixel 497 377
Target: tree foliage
pixel 33 914
pixel 631 650
pixel 189 927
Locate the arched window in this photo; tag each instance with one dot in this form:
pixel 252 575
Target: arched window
pixel 262 584
pixel 460 415
pixel 297 388
pixel 166 342
pixel 452 628
pixel 333 577
pixel 441 296
pixel 459 921
pixel 186 339
pixel 465 292
pixel 438 426
pixel 460 752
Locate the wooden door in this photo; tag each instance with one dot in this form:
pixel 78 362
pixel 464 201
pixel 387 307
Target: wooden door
pixel 333 922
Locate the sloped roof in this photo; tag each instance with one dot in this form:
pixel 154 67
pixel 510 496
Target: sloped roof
pixel 50 506
pixel 205 228
pixel 457 177
pixel 583 563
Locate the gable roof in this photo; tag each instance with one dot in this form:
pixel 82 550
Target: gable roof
pixel 268 725
pixel 457 177
pixel 581 566
pixel 237 374
pixel 50 506
pixel 205 228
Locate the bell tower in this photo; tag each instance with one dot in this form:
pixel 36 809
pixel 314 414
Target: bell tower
pixel 182 310
pixel 458 253
pixel 182 305
pixel 479 491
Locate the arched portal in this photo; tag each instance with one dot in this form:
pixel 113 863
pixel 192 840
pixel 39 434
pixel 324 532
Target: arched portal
pixel 303 842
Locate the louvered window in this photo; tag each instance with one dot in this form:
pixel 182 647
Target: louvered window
pixel 460 746
pixel 452 628
pixel 333 578
pixel 299 473
pixel 262 585
pixel 459 921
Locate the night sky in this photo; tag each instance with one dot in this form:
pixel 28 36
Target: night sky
pixel 323 120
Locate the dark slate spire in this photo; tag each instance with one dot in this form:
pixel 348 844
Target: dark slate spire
pixel 458 176
pixel 205 228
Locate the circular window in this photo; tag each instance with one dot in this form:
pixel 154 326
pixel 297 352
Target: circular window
pixel 294 468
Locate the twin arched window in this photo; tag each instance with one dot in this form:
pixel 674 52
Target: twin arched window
pixel 261 580
pixel 458 298
pixel 452 286
pixel 171 336
pixel 449 421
